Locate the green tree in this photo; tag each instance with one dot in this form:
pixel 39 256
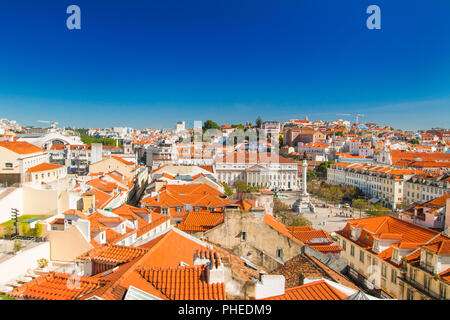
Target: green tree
pixel 414 141
pixel 36 231
pixel 24 229
pixel 227 190
pixel 311 175
pixel 258 122
pixel 279 206
pixel 209 124
pixel 243 187
pixel 360 204
pixel 302 222
pixel 322 169
pixel 17 245
pixel 281 140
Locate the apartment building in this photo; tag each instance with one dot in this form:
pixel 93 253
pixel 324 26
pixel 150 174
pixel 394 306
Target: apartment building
pixel 264 169
pixel 430 214
pixel 376 247
pixel 294 135
pixel 318 149
pixel 425 187
pixel 161 154
pixel 176 201
pixel 271 128
pixel 426 272
pixel 387 184
pixel 77 158
pixel 16 158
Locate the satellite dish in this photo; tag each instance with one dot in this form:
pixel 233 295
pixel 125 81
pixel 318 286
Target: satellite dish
pixel 188 207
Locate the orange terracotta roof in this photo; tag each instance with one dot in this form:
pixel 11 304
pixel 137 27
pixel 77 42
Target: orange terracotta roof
pixel 200 221
pixel 20 147
pixel 445 275
pixel 113 254
pixel 76 213
pixel 184 283
pixel 440 245
pixel 58 221
pixel 280 227
pixel 316 290
pixel 56 286
pixel 45 167
pixel 123 160
pixel 101 198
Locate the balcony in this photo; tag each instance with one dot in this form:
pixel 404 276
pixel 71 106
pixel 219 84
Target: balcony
pixel 420 287
pixel 427 267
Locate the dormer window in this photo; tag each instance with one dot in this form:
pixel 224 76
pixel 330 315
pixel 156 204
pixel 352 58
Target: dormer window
pixel 395 255
pixel 429 261
pixel 376 245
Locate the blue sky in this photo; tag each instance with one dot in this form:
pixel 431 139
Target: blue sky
pixel 151 63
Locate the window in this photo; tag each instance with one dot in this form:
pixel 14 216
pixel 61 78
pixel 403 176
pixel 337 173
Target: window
pixel 374 261
pixel 361 256
pixel 395 255
pixel 352 250
pixel 426 282
pixel 344 245
pixel 178 209
pixel 376 245
pixel 394 276
pixel 428 261
pixel 409 294
pixel 69 222
pixel 383 269
pixel 442 291
pixel 280 253
pixel 243 236
pixel 412 274
pixel 8 165
pixel 164 210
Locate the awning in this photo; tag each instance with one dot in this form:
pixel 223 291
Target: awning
pixel 374 200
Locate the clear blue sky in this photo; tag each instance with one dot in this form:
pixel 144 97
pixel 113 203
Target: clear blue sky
pixel 151 63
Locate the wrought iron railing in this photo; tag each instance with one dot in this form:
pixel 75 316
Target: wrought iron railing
pixel 421 287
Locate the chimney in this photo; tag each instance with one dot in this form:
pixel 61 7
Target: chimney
pixel 261 274
pixel 215 272
pixel 269 286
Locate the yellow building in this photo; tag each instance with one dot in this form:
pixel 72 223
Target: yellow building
pixel 16 157
pixel 427 272
pixel 376 248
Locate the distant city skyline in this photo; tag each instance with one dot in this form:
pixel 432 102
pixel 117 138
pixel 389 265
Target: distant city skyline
pixel 142 64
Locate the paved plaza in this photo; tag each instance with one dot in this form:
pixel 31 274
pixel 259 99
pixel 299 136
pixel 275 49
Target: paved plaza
pixel 330 218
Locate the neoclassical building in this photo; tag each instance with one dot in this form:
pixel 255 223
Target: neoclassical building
pixel 265 169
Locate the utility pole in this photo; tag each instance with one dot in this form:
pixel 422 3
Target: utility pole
pixel 15 217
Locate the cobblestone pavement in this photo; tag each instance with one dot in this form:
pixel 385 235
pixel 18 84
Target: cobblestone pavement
pixel 332 218
pixel 325 218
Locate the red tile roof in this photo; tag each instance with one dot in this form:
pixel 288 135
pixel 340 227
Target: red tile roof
pixel 123 160
pixel 200 221
pixel 113 254
pixel 56 286
pixel 20 147
pixel 45 167
pixel 317 290
pixel 184 283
